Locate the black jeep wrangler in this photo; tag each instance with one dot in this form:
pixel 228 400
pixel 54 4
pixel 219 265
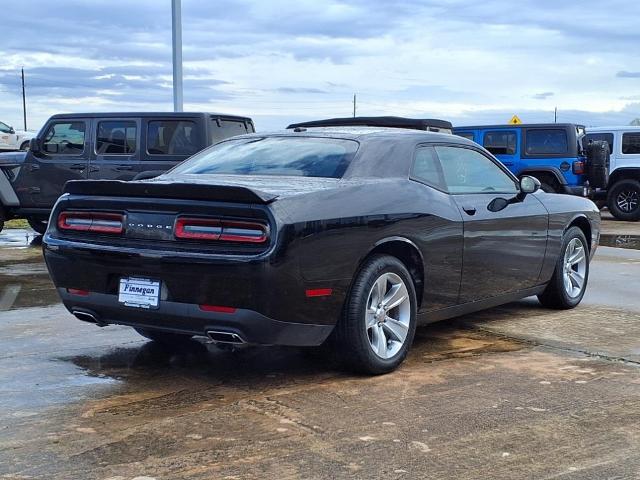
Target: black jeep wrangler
pixel 114 146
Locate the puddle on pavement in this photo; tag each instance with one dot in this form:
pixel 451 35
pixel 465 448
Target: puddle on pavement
pixel 620 241
pixel 24 280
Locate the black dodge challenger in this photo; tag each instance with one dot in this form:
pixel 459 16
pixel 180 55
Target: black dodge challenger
pixel 347 235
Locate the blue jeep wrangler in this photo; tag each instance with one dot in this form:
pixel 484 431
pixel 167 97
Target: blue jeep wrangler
pixel 553 153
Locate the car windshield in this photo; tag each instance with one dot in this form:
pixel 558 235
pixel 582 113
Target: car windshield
pixel 301 156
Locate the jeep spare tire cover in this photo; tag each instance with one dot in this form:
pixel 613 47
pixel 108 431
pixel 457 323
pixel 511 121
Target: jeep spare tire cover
pixel 597 167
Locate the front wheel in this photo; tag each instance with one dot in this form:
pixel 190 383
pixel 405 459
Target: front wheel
pixel 25 146
pixel 624 200
pixel 379 320
pixel 569 281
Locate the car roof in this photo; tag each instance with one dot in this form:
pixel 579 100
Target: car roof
pixel 625 128
pixel 149 114
pixel 386 121
pixel 519 125
pixel 360 133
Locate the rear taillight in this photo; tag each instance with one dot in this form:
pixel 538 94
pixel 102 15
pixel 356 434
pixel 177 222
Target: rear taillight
pixel 220 229
pixel 578 167
pixel 96 222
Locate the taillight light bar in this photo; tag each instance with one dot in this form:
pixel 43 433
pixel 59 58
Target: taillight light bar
pixel 96 222
pixel 220 229
pixel 578 167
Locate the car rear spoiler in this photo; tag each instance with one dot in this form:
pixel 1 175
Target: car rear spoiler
pixel 173 189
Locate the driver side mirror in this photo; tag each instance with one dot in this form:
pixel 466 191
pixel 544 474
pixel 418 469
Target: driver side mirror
pixel 12 130
pixel 34 145
pixel 529 185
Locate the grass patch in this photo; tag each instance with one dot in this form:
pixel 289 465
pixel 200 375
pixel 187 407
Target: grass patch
pixel 17 223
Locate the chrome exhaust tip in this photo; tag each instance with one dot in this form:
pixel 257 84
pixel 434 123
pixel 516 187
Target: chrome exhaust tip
pixel 225 337
pixel 87 317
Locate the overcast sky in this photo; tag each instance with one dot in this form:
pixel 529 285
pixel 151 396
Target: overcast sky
pixel 283 61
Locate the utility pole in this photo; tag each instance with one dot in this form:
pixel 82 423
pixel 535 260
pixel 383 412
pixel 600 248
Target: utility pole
pixel 555 115
pixel 24 101
pixel 354 105
pixel 176 34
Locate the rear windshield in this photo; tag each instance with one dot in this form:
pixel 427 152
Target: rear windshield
pixel 302 156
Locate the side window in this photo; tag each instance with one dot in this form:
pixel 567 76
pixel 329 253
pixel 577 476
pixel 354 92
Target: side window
pixel 223 129
pixel 605 137
pixel 64 138
pixel 469 171
pixel 500 142
pixel 116 137
pixel 426 168
pixel 631 143
pixel 467 135
pixel 173 137
pixel 4 128
pixel 552 141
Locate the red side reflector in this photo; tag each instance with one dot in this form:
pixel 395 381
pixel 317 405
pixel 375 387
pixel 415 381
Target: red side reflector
pixel 578 168
pixel 319 292
pixel 220 229
pixel 77 291
pixel 217 309
pixel 97 222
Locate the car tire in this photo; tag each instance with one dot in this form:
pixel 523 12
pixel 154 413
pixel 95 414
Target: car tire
pixel 370 337
pixel 565 289
pixel 165 338
pixel 623 200
pixel 25 146
pixel 39 225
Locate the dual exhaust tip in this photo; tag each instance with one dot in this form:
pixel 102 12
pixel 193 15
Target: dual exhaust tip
pixel 215 336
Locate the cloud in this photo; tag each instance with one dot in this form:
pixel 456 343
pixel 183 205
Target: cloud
pixel 542 96
pixel 625 74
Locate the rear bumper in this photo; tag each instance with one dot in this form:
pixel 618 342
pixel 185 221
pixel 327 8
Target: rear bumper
pixel 250 326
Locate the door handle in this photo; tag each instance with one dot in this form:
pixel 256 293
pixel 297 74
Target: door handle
pixel 94 169
pixel 78 166
pixel 469 210
pixel 124 167
pixel 34 167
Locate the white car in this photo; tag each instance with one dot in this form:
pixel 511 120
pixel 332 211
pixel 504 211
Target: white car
pixel 11 139
pixel 623 188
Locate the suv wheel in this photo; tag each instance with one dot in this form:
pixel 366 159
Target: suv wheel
pixel 38 225
pixel 25 146
pixel 569 281
pixel 624 200
pixel 379 320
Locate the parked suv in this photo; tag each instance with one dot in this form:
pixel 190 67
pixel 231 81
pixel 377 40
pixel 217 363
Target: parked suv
pixel 623 189
pixel 113 146
pixel 553 153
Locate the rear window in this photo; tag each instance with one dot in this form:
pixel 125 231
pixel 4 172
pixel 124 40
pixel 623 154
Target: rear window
pixel 302 156
pixel 223 129
pixel 602 137
pixel 500 142
pixel 631 143
pixel 551 141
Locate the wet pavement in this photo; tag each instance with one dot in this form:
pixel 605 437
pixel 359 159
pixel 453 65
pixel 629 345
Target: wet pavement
pixel 513 392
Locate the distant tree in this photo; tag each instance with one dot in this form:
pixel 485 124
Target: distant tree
pixel 635 122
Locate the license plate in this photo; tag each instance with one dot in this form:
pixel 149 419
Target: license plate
pixel 139 292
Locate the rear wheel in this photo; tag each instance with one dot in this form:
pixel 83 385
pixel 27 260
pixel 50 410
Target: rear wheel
pixel 569 281
pixel 379 320
pixel 25 146
pixel 165 338
pixel 624 200
pixel 38 225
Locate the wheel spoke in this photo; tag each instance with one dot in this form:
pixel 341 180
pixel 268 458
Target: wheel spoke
pixel 381 342
pixel 395 296
pixel 576 279
pixel 371 319
pixel 378 291
pixel 398 330
pixel 577 256
pixel 567 284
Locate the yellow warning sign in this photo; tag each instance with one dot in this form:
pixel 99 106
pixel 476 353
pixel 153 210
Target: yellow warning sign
pixel 515 120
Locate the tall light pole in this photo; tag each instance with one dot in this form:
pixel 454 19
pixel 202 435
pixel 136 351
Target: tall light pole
pixel 24 102
pixel 176 34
